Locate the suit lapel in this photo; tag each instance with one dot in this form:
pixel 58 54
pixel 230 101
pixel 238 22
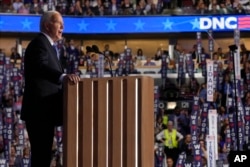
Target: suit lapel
pixel 53 54
pixel 56 59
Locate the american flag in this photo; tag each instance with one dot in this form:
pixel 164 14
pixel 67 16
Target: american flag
pixel 244 22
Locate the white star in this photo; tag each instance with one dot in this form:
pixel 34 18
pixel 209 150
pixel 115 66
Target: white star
pixel 167 24
pixel 195 23
pixel 111 25
pixel 139 25
pixel 26 24
pixel 83 25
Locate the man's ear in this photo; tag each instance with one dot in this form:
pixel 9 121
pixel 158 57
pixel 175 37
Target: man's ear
pixel 46 25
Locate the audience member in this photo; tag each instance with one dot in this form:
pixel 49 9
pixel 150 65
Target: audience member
pixel 149 62
pixel 171 138
pixel 15 56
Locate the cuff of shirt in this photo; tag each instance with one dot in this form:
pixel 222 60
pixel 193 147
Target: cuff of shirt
pixel 61 77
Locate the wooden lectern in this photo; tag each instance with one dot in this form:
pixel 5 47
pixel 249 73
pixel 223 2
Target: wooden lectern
pixel 109 122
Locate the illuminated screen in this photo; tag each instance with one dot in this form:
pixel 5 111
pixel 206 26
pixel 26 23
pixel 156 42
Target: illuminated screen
pixel 171 105
pixel 130 25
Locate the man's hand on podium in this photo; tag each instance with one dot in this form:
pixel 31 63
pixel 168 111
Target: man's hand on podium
pixel 73 78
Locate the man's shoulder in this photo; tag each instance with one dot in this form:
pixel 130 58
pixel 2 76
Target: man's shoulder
pixel 38 39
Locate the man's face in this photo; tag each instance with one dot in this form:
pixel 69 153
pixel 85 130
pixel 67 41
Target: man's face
pixel 55 27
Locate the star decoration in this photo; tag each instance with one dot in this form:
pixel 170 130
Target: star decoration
pixel 1 23
pixel 111 25
pixel 83 25
pixel 167 24
pixel 195 23
pixel 139 25
pixel 26 24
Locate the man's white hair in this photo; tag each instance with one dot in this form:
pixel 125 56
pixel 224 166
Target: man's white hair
pixel 46 17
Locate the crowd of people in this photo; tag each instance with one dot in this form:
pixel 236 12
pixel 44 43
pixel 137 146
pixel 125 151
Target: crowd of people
pixel 175 129
pixel 126 7
pixel 173 133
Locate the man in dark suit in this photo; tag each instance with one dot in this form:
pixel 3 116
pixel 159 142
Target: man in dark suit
pixel 42 107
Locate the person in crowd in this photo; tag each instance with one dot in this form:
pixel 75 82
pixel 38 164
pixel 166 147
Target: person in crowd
pixel 246 98
pixel 36 7
pixel 73 55
pixel 15 56
pixel 226 89
pixel 127 7
pixel 194 85
pixel 239 10
pixel 87 9
pixel 201 8
pixel 158 54
pixel 24 9
pixel 108 52
pixel 62 6
pixel 204 161
pixel 178 50
pixel 183 122
pixel 149 62
pixel 215 57
pixel 14 160
pixel 170 162
pixel 229 69
pixel 159 125
pixel 244 72
pixel 224 9
pixel 78 8
pixel 220 53
pixel 186 146
pixel 223 127
pixel 171 138
pixel 214 10
pixel 26 157
pixel 140 55
pixel 202 93
pixel 17 4
pixel 108 64
pixel 223 154
pixel 244 50
pixel 42 106
pixel 203 148
pixel 194 51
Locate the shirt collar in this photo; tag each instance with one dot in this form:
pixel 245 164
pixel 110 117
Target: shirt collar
pixel 48 37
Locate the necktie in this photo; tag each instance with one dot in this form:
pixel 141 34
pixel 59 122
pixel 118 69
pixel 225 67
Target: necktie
pixel 57 52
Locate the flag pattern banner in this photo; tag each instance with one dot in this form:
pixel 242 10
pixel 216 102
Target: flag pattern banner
pixel 247 124
pixel 8 131
pixel 197 162
pixel 128 60
pixel 164 66
pixel 210 81
pixel 204 119
pixel 181 160
pixel 190 65
pixel 211 160
pixel 210 41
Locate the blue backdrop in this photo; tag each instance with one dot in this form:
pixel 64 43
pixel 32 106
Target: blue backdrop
pixel 133 24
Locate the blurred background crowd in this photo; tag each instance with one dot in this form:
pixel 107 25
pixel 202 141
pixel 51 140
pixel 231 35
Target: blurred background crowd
pixel 126 7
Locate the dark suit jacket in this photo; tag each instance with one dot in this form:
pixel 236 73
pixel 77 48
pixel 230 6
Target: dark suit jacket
pixel 42 99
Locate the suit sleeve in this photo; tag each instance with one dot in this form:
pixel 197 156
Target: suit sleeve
pixel 41 61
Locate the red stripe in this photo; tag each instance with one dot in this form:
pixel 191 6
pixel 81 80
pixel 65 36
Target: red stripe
pixel 243 22
pixel 243 26
pixel 244 18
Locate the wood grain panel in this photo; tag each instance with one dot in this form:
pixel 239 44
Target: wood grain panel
pixel 70 125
